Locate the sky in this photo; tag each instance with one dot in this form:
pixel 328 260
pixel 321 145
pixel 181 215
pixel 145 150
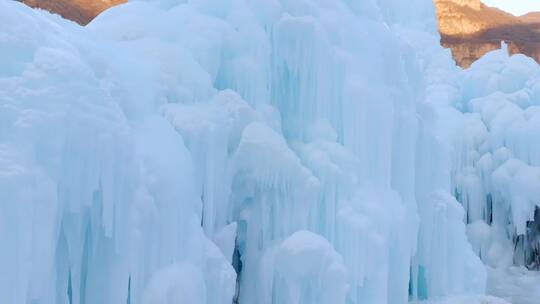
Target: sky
pixel 516 7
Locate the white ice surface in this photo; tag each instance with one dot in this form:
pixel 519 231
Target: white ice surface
pixel 515 284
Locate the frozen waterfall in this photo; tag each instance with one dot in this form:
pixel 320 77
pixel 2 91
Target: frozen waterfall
pixel 260 151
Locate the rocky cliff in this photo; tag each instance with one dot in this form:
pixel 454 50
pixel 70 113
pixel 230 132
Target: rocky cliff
pixel 471 29
pixel 80 11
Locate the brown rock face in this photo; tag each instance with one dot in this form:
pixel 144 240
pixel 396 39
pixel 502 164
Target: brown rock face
pixel 80 11
pixel 471 29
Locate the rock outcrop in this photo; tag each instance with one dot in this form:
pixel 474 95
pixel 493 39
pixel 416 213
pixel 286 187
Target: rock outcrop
pixel 80 11
pixel 471 29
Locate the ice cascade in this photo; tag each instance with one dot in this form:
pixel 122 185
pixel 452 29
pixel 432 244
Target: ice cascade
pixel 265 151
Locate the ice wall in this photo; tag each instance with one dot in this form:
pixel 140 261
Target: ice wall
pixel 249 151
pixel 497 166
pixel 98 201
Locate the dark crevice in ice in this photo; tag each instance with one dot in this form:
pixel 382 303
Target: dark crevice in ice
pixel 532 242
pixel 489 209
pixel 237 265
pixel 128 300
pixel 527 246
pixel 202 211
